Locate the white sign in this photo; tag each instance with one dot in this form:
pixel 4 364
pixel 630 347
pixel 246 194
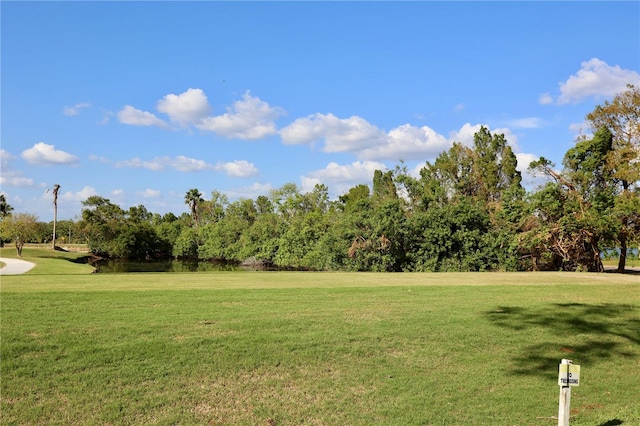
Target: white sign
pixel 569 375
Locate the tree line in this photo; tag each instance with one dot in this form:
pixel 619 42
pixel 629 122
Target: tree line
pixel 467 211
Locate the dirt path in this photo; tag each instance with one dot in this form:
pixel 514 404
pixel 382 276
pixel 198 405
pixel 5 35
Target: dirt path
pixel 15 266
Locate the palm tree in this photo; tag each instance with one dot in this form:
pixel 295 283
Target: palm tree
pixel 192 199
pixel 56 188
pixel 5 208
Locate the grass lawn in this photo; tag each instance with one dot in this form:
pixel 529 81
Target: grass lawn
pixel 49 261
pixel 276 348
pixel 632 262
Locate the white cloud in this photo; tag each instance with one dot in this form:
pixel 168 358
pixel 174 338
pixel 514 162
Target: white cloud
pixel 15 179
pixel 340 178
pixel 186 164
pixel 117 192
pixel 136 117
pixel 99 159
pixel 306 130
pixel 75 110
pixel 137 163
pixel 81 195
pixel 179 163
pixel 407 142
pixel 252 191
pixel 45 154
pixel 545 99
pixel 308 183
pixel 526 123
pixel 459 107
pixel 524 160
pixel 340 135
pixel 5 158
pixel 465 134
pixel 355 171
pixel 150 193
pixel 239 168
pixel 367 142
pixel 186 108
pixel 596 79
pixel 249 118
pixel 106 116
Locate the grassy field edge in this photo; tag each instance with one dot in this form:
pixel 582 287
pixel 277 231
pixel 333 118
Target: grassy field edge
pixel 292 348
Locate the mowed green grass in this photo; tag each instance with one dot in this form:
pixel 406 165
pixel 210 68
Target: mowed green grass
pixel 632 262
pixel 50 262
pixel 276 348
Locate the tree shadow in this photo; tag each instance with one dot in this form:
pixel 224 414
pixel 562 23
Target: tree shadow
pixel 614 422
pixel 627 271
pixel 585 332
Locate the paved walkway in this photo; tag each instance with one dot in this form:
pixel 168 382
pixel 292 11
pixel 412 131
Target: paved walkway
pixel 15 266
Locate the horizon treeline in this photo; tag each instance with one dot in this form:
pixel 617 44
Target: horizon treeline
pixel 467 211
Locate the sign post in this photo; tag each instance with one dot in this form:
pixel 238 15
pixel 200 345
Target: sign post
pixel 568 376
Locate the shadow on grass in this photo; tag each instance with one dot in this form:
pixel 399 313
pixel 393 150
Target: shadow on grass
pixel 614 422
pixel 584 332
pixel 627 271
pixel 81 260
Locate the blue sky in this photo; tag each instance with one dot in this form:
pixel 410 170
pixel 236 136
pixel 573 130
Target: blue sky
pixel 140 101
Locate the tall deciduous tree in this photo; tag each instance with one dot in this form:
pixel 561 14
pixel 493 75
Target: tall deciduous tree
pixel 287 200
pixel 349 201
pixel 577 206
pixel 621 117
pixel 486 171
pixel 214 209
pixel 318 199
pixel 102 221
pixel 264 205
pixel 383 186
pixel 113 232
pixel 494 165
pixel 465 207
